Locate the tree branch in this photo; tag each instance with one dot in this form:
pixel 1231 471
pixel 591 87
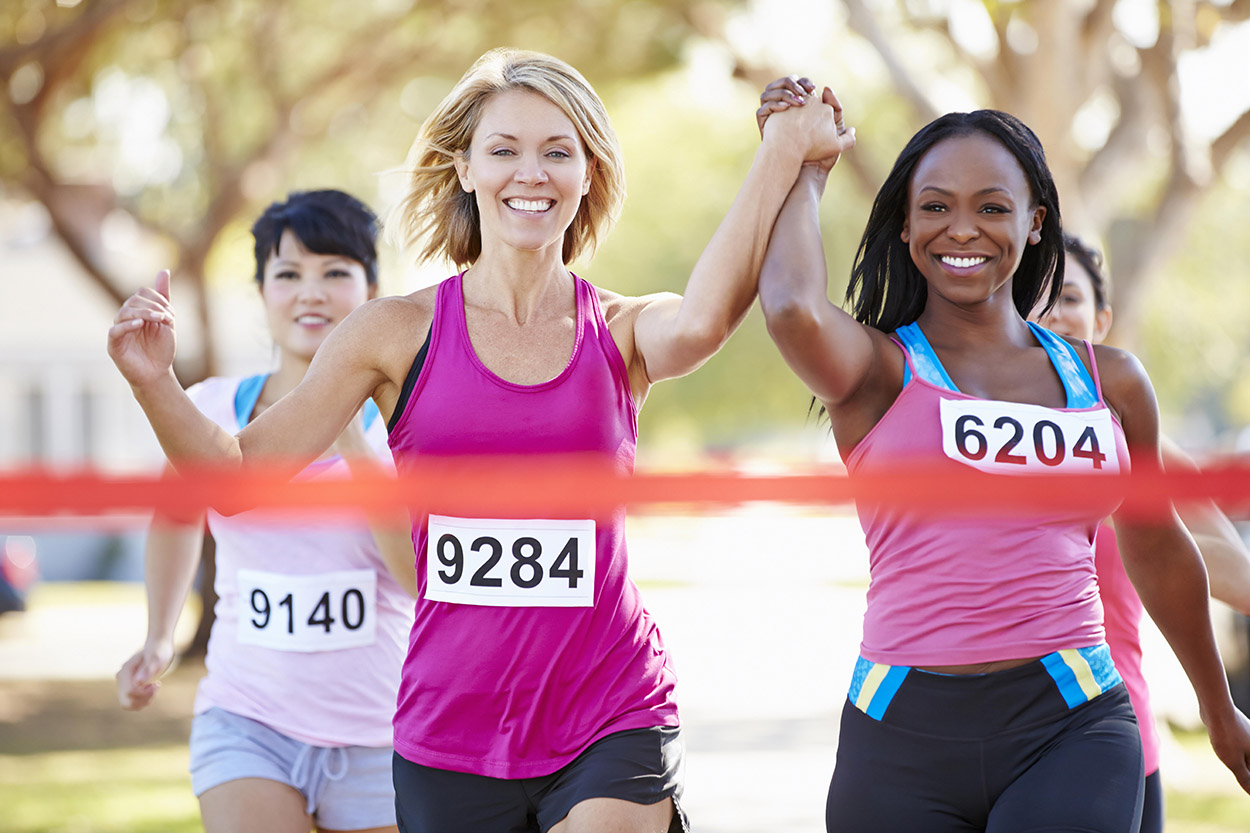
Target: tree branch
pixel 1228 141
pixel 50 194
pixel 63 45
pixel 1234 12
pixel 1122 152
pixel 863 23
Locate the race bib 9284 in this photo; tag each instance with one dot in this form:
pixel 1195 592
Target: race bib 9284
pixel 511 563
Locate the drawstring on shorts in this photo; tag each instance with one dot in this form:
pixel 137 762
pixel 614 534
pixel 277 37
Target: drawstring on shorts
pixel 314 765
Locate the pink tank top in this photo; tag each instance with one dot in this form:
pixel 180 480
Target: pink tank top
pixel 517 660
pixel 309 631
pixel 1122 613
pixel 973 588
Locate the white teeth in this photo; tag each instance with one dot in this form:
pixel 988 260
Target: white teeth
pixel 963 262
pixel 312 319
pixel 529 205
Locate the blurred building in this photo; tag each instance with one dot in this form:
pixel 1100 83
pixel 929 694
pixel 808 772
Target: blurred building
pixel 63 406
pixel 62 403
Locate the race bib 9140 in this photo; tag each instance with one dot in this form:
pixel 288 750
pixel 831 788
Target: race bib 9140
pixel 1013 437
pixel 315 612
pixel 511 563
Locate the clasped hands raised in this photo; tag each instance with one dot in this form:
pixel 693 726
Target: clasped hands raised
pixel 821 127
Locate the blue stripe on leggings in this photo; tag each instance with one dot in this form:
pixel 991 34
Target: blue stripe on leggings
pixel 1065 680
pixel 1082 674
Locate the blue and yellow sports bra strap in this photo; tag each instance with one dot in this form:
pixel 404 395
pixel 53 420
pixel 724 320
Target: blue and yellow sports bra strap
pixel 1077 382
pixel 1081 674
pixel 247 394
pixel 873 686
pixel 928 366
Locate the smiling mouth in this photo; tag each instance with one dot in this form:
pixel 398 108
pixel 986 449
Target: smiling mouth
pixel 529 206
pixel 963 262
pixel 312 319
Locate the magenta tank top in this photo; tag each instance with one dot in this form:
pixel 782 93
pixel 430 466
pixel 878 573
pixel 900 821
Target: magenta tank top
pixel 517 660
pixel 971 588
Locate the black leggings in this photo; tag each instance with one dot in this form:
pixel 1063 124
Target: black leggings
pixel 1152 806
pixel 990 753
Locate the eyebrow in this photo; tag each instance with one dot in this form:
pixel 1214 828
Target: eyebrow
pixel 993 189
pixel 509 136
pixel 333 259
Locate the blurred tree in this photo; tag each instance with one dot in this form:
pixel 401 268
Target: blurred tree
pixel 1100 81
pixel 179 117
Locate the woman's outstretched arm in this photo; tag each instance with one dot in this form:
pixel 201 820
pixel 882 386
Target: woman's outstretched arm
pixel 1166 568
pixel 345 371
pixel 1223 551
pixel 674 334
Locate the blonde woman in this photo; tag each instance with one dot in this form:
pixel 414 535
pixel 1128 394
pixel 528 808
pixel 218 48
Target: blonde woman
pixel 537 693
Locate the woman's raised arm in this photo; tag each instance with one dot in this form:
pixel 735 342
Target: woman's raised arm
pixel 673 334
pixel 828 349
pixel 291 433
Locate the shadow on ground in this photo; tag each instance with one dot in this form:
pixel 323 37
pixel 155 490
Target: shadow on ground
pixel 38 716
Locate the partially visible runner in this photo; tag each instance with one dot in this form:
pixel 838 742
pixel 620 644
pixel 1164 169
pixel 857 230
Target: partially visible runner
pixel 292 720
pixel 537 694
pixel 1083 312
pixel 985 697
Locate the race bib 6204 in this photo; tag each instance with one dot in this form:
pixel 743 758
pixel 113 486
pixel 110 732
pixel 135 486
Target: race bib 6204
pixel 511 563
pixel 1007 437
pixel 316 612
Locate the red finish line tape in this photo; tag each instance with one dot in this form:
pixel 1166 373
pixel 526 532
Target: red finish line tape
pixel 539 487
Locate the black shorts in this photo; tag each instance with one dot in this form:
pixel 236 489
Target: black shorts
pixel 1030 748
pixel 639 765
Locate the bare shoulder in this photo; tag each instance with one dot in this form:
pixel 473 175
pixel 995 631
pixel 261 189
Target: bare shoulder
pixel 1127 391
pixel 395 314
pixel 621 313
pixel 402 308
pixel 392 329
pixel 1122 374
pixel 623 309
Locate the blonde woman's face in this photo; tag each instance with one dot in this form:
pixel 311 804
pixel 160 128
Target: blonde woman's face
pixel 528 170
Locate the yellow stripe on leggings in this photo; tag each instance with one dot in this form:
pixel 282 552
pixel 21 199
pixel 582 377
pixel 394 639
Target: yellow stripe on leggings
pixel 871 683
pixel 1084 674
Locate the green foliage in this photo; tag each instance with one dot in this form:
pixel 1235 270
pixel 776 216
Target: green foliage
pixel 1194 339
pixel 197 113
pixel 286 83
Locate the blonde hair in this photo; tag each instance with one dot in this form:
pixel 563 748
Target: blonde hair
pixel 440 218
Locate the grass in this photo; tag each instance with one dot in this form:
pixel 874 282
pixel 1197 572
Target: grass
pixel 1191 812
pixel 102 791
pixel 1221 809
